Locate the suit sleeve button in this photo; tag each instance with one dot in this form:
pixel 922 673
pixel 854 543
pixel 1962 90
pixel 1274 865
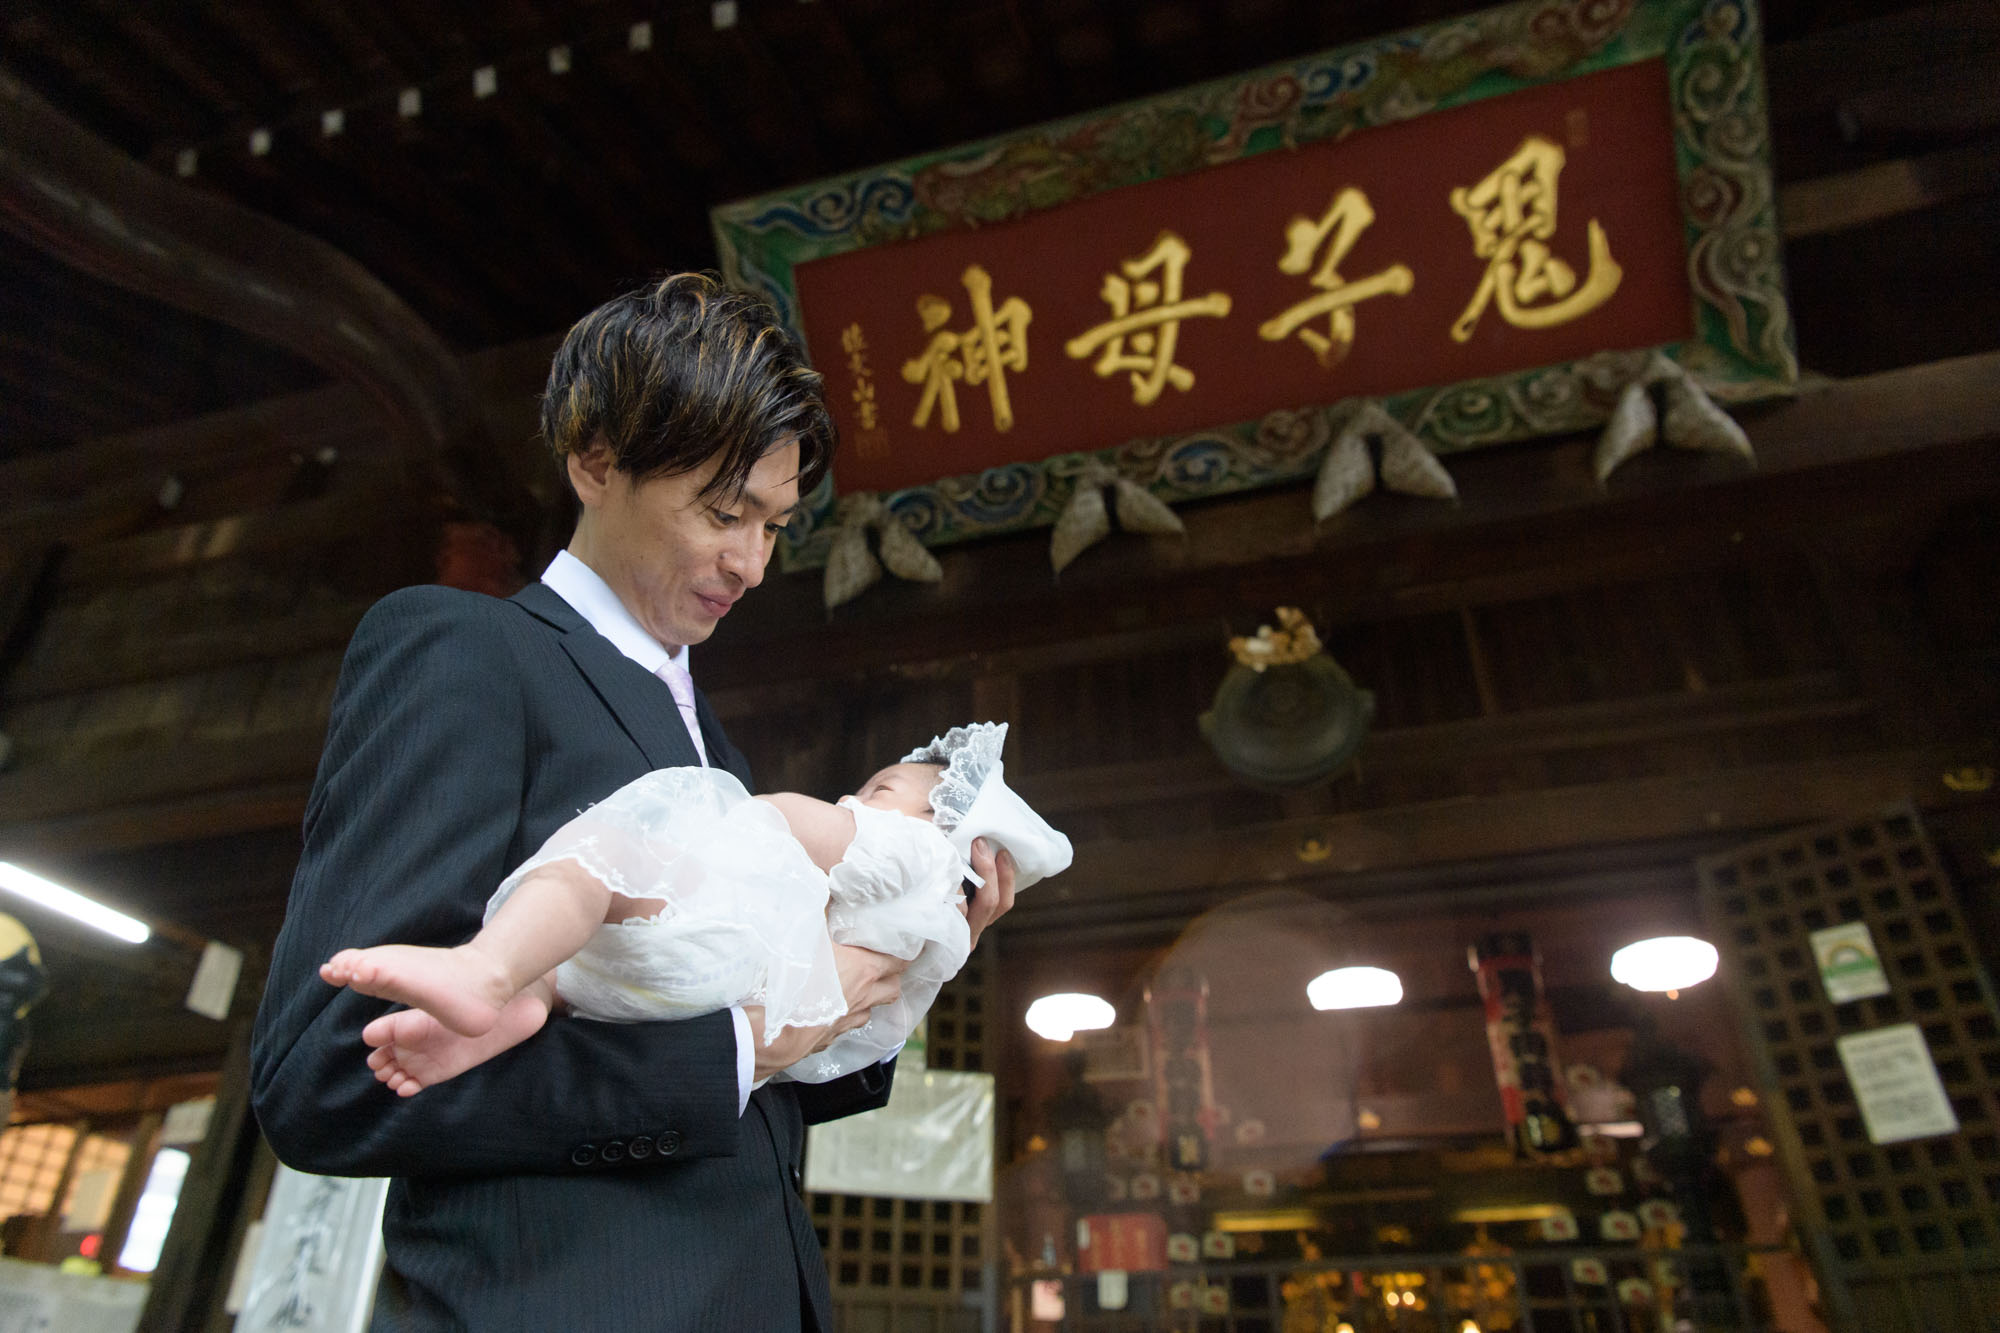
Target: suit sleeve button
pixel 583 1154
pixel 613 1151
pixel 640 1148
pixel 668 1143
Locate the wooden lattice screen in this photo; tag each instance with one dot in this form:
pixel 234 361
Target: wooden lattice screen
pixel 1906 1235
pixel 919 1265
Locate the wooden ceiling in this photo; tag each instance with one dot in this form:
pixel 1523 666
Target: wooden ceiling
pixel 501 217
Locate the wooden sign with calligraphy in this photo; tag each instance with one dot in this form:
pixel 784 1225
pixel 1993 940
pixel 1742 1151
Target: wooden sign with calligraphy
pixel 1486 223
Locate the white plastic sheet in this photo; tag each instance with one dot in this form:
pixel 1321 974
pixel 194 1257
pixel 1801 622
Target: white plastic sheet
pixel 934 1140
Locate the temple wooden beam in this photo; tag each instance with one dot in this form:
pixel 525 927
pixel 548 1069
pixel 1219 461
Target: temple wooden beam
pixel 1859 459
pixel 1888 189
pixel 1186 874
pixel 1531 519
pixel 121 799
pixel 1820 697
pixel 83 666
pixel 83 202
pixel 176 817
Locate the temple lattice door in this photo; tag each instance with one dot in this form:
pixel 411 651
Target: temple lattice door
pixel 1850 960
pixel 920 1265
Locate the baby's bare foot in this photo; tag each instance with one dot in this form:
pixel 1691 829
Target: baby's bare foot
pixel 414 1051
pixel 462 988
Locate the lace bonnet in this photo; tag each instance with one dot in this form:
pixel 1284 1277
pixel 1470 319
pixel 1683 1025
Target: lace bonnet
pixel 968 754
pixel 972 800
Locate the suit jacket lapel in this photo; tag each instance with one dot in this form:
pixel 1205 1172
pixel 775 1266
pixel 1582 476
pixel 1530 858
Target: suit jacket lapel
pixel 639 700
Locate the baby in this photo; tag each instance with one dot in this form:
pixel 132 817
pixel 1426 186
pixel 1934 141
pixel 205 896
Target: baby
pixel 681 894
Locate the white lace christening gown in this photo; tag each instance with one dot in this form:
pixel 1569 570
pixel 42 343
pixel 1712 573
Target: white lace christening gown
pixel 749 919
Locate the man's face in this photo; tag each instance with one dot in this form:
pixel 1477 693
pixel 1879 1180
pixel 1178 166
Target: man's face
pixel 677 559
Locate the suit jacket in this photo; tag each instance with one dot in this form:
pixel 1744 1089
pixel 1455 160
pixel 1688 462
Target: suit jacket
pixel 597 1176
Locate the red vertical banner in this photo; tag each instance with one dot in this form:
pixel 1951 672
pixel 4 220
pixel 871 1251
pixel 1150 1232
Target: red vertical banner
pixel 1121 1242
pixel 1521 1030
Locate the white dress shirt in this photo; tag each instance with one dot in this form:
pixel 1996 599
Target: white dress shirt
pixel 591 597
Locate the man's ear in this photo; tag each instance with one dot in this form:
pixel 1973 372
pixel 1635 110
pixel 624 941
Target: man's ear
pixel 590 472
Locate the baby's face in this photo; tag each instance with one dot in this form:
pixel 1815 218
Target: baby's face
pixel 903 788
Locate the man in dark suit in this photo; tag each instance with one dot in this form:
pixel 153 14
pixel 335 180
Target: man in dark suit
pixel 599 1176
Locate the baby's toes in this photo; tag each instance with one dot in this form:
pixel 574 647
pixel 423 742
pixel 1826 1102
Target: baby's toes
pixel 353 964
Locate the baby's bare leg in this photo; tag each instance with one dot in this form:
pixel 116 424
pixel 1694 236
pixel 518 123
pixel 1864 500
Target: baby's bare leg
pixel 545 920
pixel 413 1051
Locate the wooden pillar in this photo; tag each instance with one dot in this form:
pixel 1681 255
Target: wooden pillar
pixel 118 1222
pixel 199 1256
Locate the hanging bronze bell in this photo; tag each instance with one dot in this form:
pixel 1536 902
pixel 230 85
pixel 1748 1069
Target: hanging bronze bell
pixel 1290 725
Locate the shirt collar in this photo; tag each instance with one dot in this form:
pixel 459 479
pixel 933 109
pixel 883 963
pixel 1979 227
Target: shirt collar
pixel 591 597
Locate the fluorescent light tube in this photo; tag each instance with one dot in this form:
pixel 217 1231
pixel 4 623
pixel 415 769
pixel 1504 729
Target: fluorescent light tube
pixel 56 898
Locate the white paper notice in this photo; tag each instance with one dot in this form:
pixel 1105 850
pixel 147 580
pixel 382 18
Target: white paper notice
pixel 1896 1084
pixel 318 1256
pixel 1849 966
pixel 934 1140
pixel 90 1198
pixel 214 984
pixel 246 1265
pixel 187 1122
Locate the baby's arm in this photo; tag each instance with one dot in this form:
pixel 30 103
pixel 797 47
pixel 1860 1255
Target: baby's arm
pixel 823 829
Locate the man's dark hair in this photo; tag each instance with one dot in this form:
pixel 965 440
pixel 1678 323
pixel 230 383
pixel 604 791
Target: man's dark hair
pixel 676 372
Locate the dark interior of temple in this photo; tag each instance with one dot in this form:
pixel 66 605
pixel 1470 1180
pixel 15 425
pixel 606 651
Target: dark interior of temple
pixel 280 300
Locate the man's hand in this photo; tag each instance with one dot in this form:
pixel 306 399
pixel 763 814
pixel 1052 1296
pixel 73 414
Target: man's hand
pixel 985 906
pixel 867 979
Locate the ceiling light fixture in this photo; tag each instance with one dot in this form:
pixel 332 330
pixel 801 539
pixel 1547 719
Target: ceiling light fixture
pixel 1060 1017
pixel 1670 963
pixel 49 894
pixel 1615 1129
pixel 1355 988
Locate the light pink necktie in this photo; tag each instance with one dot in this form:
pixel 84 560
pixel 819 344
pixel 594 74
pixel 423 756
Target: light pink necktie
pixel 682 684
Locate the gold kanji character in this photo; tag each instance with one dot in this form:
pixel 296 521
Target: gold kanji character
pixel 1337 230
pixel 938 367
pixel 1512 214
pixel 864 403
pixel 1147 310
pixel 996 343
